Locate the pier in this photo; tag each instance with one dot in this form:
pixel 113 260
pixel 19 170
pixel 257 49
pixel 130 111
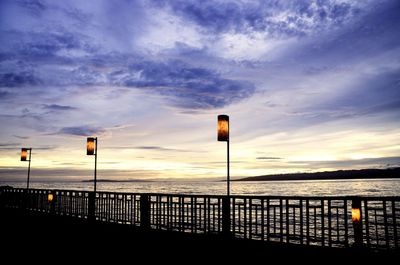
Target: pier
pixel 292 222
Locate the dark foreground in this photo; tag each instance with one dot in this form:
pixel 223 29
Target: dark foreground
pixel 39 236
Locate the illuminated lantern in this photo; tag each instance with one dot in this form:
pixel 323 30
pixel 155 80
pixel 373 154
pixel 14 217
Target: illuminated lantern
pixel 90 146
pixel 357 222
pixel 24 154
pixel 356 212
pixel 50 197
pixel 223 128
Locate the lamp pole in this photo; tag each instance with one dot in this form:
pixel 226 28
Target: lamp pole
pixel 95 167
pixel 227 168
pixel 223 136
pixel 24 154
pixel 91 149
pixel 29 167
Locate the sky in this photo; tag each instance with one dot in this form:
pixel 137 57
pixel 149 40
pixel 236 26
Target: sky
pixel 308 85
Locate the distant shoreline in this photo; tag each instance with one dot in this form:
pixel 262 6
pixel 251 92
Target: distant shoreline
pixel 117 180
pixel 330 175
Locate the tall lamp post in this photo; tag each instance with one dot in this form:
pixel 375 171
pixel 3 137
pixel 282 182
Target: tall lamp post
pixel 24 155
pixel 91 149
pixel 223 136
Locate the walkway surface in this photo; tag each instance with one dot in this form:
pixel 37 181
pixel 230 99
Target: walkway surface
pixel 36 234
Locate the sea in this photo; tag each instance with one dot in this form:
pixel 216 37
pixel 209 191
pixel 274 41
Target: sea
pixel 348 187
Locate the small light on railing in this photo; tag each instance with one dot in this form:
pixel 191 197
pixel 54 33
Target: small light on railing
pixel 223 128
pixel 50 197
pixel 356 212
pixel 24 154
pixel 90 146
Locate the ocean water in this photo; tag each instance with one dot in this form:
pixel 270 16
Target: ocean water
pixel 367 187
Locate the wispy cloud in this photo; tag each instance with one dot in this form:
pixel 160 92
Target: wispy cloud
pixel 9 144
pixel 56 107
pixel 81 130
pixel 268 158
pixel 159 148
pixel 18 173
pixel 21 137
pixel 380 162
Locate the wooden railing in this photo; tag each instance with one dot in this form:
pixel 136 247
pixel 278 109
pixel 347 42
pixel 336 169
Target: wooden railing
pixel 320 221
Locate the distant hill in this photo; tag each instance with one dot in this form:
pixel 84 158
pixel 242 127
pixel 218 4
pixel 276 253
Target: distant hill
pixel 339 174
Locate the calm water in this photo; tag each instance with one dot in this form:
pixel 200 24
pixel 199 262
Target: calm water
pixel 370 187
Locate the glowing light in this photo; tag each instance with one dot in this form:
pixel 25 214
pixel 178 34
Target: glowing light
pixel 356 212
pixel 356 215
pixel 90 146
pixel 24 154
pixel 223 128
pixel 50 197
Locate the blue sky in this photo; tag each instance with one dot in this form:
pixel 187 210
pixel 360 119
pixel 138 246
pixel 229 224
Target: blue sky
pixel 308 85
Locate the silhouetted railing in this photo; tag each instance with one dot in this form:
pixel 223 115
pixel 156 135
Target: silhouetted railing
pixel 321 221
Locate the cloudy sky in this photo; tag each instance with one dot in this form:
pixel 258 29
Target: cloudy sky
pixel 308 86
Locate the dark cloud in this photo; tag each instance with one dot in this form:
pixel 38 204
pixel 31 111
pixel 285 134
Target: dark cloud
pixel 35 6
pixel 5 95
pixel 373 32
pixel 191 87
pixel 56 107
pixel 21 137
pixel 186 86
pixel 276 17
pixel 9 144
pixel 18 79
pixel 81 130
pixel 44 45
pixel 380 162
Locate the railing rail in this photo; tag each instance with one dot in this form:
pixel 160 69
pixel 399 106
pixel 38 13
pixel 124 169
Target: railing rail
pixel 320 221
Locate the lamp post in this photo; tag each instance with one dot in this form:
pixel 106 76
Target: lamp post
pixel 357 221
pixel 51 200
pixel 223 136
pixel 91 149
pixel 24 155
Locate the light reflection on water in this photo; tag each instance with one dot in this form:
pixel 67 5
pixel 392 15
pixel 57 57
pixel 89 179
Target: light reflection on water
pixel 366 187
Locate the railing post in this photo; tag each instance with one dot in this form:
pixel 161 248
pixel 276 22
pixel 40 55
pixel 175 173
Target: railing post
pixel 356 217
pixel 52 201
pixel 226 216
pixel 91 206
pixel 25 199
pixel 145 211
